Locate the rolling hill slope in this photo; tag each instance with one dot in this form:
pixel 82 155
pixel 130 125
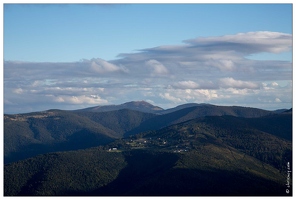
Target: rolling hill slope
pixel 212 155
pixel 141 106
pixel 26 135
pixel 266 143
pixel 35 133
pixel 189 113
pixel 120 121
pixel 208 170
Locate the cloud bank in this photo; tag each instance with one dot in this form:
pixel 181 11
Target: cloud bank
pixel 204 70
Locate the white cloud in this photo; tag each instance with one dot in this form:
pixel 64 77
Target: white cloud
pixel 204 94
pixel 169 97
pixel 101 66
pixel 232 83
pixel 277 100
pixel 248 43
pixel 18 90
pixel 189 95
pixel 158 69
pixel 270 86
pixel 186 85
pixel 82 99
pixel 223 65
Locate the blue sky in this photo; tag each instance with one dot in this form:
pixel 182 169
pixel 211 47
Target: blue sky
pixel 70 56
pixel 63 33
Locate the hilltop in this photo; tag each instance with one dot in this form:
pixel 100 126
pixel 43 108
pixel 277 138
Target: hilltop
pixel 141 106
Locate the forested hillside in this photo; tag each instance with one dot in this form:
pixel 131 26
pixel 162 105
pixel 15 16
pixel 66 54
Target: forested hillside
pixel 31 134
pixel 27 135
pixel 191 150
pixel 210 170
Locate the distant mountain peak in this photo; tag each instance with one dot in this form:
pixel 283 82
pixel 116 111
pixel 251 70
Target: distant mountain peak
pixel 137 103
pixel 140 103
pixel 141 106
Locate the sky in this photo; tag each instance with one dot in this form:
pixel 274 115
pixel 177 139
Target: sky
pixel 72 56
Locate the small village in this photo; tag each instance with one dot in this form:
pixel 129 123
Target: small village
pixel 153 142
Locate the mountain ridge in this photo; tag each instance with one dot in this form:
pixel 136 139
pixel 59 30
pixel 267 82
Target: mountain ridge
pixel 144 106
pixel 190 150
pixel 57 130
pixel 203 156
pixel 188 113
pixel 141 106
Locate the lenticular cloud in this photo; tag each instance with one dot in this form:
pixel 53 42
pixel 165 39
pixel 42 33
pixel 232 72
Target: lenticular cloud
pixel 247 43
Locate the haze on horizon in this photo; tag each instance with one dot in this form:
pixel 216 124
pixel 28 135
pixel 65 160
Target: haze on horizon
pixel 75 56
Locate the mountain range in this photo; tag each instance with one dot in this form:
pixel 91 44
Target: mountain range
pixel 141 106
pixel 30 134
pixel 140 149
